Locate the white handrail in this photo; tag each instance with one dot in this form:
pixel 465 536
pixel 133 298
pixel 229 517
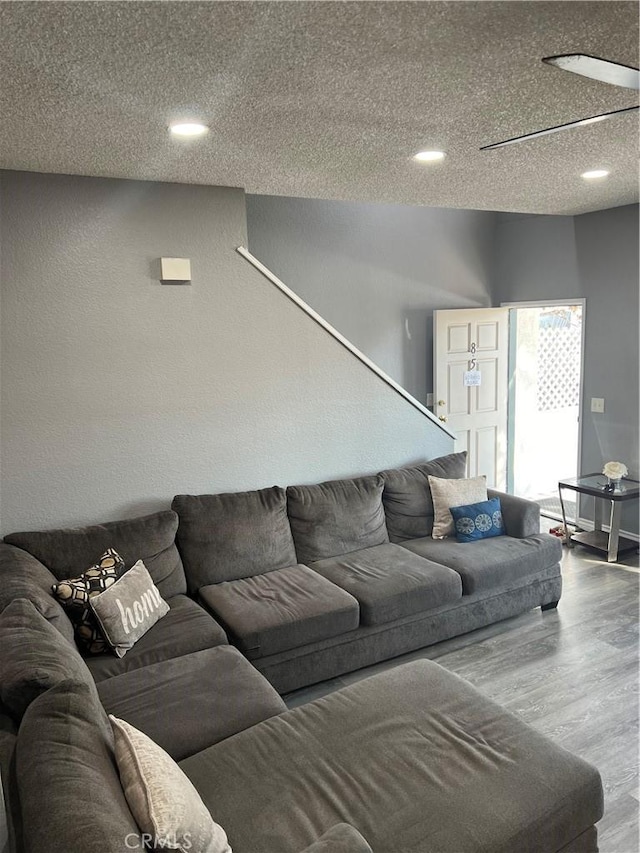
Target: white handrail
pixel 266 272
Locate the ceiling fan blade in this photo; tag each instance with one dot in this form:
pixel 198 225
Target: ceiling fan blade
pixel 580 123
pixel 597 69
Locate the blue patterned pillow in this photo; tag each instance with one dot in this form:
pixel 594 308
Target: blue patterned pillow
pixel 478 521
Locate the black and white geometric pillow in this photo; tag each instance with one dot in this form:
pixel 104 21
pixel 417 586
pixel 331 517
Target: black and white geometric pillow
pixel 74 594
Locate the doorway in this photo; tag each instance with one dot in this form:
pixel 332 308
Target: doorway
pixel 545 389
pixel 471 352
pixel 508 383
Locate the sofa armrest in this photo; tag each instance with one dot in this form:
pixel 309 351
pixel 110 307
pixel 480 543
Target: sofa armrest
pixel 23 576
pixel 341 838
pixel 521 517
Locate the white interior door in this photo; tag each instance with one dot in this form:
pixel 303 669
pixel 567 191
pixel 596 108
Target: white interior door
pixel 471 355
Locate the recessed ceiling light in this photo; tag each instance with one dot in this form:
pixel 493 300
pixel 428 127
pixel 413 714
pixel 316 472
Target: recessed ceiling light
pixel 594 174
pixel 188 129
pixel 429 156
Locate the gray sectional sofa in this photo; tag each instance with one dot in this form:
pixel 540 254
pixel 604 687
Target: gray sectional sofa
pixel 308 582
pixel 313 581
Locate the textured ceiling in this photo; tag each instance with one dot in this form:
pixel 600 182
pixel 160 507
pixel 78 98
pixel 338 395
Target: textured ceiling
pixel 324 100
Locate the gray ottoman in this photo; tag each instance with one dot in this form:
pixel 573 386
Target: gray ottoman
pixel 416 759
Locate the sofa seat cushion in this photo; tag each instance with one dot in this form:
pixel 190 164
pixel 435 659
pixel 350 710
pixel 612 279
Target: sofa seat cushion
pixel 415 758
pixel 336 517
pixel 186 628
pixel 205 697
pixel 281 610
pixel 490 564
pixel 69 552
pixel 391 582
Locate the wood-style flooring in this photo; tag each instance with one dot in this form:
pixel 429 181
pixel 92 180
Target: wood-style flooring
pixel 572 673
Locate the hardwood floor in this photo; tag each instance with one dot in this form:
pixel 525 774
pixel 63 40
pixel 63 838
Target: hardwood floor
pixel 572 673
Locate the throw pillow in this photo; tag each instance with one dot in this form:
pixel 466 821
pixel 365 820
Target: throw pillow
pixel 448 493
pixel 74 595
pixel 163 801
pixel 128 608
pixel 478 521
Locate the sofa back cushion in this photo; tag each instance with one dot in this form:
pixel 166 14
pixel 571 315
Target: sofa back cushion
pixel 35 657
pixel 64 759
pixel 407 499
pixel 336 517
pixel 233 535
pixel 150 538
pixel 22 576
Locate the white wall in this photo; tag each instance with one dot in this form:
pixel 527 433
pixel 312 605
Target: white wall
pixel 118 392
pixel 377 271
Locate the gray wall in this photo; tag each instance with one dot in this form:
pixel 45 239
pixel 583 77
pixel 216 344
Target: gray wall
pixel 535 258
pixel 593 256
pixel 376 272
pixel 118 392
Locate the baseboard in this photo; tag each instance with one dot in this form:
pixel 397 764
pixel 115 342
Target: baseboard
pixel 587 524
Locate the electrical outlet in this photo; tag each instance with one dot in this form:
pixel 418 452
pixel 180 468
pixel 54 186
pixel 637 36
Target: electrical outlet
pixel 430 400
pixel 597 405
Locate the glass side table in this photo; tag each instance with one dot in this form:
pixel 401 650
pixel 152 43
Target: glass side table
pixel 596 485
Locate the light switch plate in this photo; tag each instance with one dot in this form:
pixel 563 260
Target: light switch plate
pixel 175 270
pixel 597 405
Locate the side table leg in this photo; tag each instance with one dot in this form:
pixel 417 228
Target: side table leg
pixel 567 535
pixel 614 533
pixel 597 513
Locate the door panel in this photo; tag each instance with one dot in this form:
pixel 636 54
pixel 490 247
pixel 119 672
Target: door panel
pixel 487 399
pixel 486 455
pixel 487 336
pixel 462 440
pixel 458 338
pixel 456 392
pixel 477 414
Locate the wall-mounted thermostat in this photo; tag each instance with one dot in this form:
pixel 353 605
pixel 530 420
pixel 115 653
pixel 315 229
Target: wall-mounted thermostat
pixel 175 270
